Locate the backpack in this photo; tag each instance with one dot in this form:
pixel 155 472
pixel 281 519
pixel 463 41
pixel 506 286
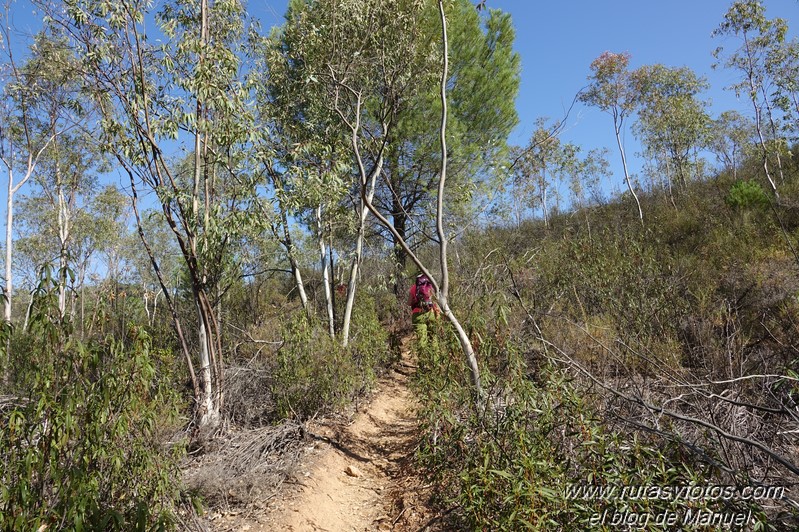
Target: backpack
pixel 424 293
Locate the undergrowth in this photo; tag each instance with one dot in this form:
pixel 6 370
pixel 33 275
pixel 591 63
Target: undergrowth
pixel 313 373
pixel 79 446
pixel 534 456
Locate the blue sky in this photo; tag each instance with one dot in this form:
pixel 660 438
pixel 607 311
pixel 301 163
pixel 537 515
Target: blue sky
pixel 558 40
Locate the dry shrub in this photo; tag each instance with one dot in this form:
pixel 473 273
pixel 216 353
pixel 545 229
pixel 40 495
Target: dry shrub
pixel 248 401
pixel 247 468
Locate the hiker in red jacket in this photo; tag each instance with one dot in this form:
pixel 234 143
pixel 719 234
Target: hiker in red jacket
pixel 424 310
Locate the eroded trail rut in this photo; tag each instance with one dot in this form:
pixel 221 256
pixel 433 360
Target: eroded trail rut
pixel 358 476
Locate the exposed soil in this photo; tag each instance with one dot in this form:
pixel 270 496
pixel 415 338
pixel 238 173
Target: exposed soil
pixel 355 475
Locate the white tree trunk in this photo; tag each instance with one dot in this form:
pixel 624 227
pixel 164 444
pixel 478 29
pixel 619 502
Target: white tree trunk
pixel 28 312
pixel 146 298
pixel 325 272
pixel 155 305
pixel 9 247
pixel 210 412
pixel 356 260
pixel 443 294
pixel 63 237
pixel 288 243
pixel 351 285
pixel 544 202
pixel 300 284
pixel 442 288
pixel 627 174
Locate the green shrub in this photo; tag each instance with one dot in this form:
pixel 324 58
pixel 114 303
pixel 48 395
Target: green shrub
pixel 308 365
pixel 370 345
pixel 78 446
pixel 514 463
pixel 315 373
pixel 746 194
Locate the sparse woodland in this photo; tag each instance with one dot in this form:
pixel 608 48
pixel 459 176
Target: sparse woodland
pixel 212 228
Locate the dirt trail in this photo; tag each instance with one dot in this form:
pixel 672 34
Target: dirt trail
pixel 358 477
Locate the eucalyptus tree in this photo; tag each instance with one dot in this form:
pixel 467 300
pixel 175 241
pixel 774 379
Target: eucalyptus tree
pixel 322 46
pixel 351 107
pixel 484 82
pixel 39 103
pixel 317 186
pixel 345 69
pixel 732 136
pixel 583 176
pixel 611 89
pixel 53 215
pixel 757 37
pixel 275 210
pixel 65 182
pixel 673 124
pixel 300 148
pixel 102 237
pixel 534 168
pixel 97 222
pixel 175 116
pixel 782 64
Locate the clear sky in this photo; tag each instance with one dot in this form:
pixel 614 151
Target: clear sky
pixel 558 40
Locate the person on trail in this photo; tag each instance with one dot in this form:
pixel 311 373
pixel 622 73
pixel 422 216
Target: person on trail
pixel 424 310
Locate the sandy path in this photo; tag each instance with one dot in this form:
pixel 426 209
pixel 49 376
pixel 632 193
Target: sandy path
pixel 356 475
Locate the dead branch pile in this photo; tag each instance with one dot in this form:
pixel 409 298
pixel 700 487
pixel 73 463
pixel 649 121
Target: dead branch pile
pixel 247 467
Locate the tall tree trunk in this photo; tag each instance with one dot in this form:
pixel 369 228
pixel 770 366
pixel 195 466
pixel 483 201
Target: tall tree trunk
pixel 774 133
pixel 146 298
pixel 155 306
pixel 669 182
pixel 298 282
pixel 63 237
pixel 356 260
pixel 544 207
pixel 753 92
pixel 288 243
pixel 443 293
pixel 9 247
pixel 325 271
pixel 400 219
pixel 443 288
pixel 332 269
pixel 626 172
pixel 28 311
pixel 209 409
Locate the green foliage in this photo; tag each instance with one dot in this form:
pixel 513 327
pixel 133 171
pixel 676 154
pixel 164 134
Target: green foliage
pixel 376 65
pixel 672 122
pixel 79 447
pixel 731 135
pixel 314 373
pixel 760 40
pixel 513 464
pixel 611 89
pixel 370 340
pixel 692 296
pixel 746 195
